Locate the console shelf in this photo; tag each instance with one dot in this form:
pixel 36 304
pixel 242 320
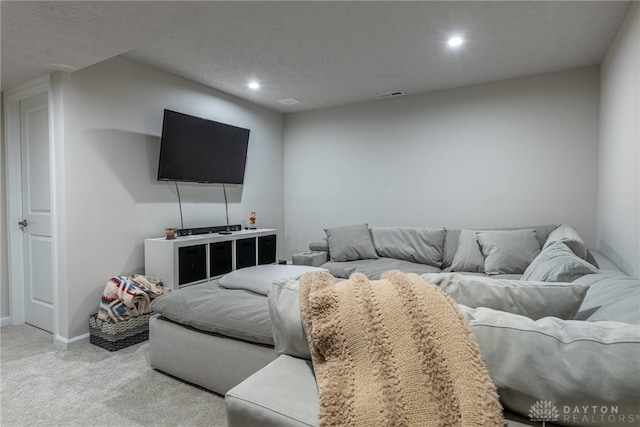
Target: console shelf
pixel 188 260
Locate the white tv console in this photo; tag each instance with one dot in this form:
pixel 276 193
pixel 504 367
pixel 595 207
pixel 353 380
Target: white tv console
pixel 188 260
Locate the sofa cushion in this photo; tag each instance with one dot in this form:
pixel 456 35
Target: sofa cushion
pixel 531 299
pixel 373 269
pixel 419 245
pixel 282 394
pixel 573 364
pixel 469 256
pixel 259 278
pixel 453 234
pixel 350 242
pixel 615 298
pixel 208 307
pixel 557 263
pixel 284 307
pixel 570 237
pixel 508 251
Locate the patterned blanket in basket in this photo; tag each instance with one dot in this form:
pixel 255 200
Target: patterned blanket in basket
pixel 127 297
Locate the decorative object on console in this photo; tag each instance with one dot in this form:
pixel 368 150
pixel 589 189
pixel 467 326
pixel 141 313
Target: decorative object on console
pixel 170 233
pixel 252 221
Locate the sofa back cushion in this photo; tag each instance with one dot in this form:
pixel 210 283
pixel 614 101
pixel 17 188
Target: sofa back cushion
pixel 570 237
pixel 531 299
pixel 453 236
pixel 557 263
pixel 570 363
pixel 350 242
pixel 508 251
pixel 468 257
pixel 419 245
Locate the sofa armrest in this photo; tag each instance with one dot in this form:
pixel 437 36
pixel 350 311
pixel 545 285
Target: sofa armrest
pixel 313 258
pixel 319 246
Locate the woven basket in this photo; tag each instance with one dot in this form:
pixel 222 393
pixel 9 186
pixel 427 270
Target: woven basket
pixel 116 336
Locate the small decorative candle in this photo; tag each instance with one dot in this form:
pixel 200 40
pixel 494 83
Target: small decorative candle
pixel 252 220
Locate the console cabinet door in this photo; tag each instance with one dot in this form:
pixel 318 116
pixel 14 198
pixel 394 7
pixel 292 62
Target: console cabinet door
pixel 192 264
pixel 220 258
pixel 266 249
pixel 245 252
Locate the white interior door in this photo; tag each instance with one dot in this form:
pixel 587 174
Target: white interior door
pixel 36 221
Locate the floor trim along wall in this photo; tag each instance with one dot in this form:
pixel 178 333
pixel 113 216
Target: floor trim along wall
pixel 5 321
pixel 66 344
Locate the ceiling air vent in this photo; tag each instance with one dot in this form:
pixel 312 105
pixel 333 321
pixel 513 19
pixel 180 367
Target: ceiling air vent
pixel 391 94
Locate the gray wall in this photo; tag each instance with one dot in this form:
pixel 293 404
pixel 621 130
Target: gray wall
pixel 619 153
pixel 509 153
pixel 108 125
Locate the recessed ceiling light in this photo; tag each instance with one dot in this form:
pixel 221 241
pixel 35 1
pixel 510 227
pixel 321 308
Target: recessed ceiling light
pixel 455 41
pixel 254 85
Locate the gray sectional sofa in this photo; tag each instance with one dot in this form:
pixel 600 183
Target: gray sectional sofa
pixel 558 325
pixel 555 322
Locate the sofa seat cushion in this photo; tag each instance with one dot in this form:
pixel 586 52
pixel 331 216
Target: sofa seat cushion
pixel 283 393
pixel 615 298
pixel 211 308
pixel 572 364
pixel 373 268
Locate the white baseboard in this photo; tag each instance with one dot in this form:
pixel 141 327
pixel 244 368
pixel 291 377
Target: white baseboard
pixel 68 343
pixel 5 321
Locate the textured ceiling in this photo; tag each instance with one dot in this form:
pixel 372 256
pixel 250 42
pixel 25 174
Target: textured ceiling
pixel 321 53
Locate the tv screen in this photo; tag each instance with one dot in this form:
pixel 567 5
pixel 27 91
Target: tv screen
pixel 194 149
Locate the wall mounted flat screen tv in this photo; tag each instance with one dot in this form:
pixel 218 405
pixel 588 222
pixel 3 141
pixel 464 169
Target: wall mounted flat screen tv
pixel 193 149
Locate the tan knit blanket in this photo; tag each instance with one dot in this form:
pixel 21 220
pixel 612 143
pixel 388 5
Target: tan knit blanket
pixel 394 352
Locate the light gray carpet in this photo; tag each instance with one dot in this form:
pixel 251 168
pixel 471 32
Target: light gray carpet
pixel 41 385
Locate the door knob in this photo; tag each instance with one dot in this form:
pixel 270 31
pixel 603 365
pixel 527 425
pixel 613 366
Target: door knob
pixel 23 224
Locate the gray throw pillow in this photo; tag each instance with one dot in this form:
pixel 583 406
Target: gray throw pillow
pixel 469 256
pixel 284 308
pixel 419 245
pixel 531 299
pixel 349 243
pixel 557 263
pixel 572 364
pixel 508 252
pixel 570 237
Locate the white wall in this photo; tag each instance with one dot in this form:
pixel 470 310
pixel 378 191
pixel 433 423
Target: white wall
pixel 619 152
pixel 4 267
pixel 518 152
pixel 111 115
